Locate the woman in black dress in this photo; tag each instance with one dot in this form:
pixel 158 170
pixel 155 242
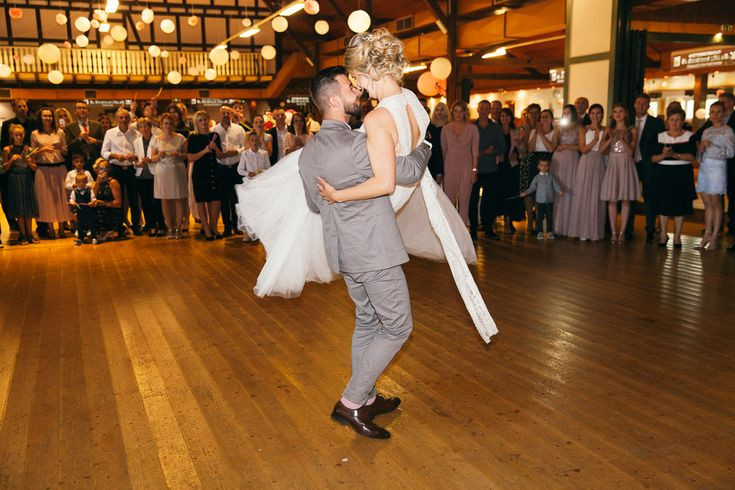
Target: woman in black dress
pixel 203 147
pixel 439 118
pixel 673 176
pixel 509 172
pixel 108 201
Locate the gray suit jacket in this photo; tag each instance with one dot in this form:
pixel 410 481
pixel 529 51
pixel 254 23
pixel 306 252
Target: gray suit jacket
pixel 359 236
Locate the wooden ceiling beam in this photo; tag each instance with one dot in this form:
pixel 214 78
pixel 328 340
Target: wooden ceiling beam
pixel 340 13
pixel 437 12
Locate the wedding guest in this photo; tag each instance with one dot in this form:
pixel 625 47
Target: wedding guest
pixel 675 106
pixel 49 145
pixel 203 148
pixel 22 118
pixel 253 160
pixel 312 124
pixel 620 183
pixel 155 224
pixel 105 121
pixel 108 201
pixel 118 148
pixel 541 144
pixel 543 186
pixel 278 136
pixel 232 139
pixel 459 140
pixel 674 176
pixel 564 165
pixel 491 147
pixel 151 115
pixel 170 183
pixel 63 117
pixel 20 202
pixel 647 130
pixel 265 138
pixel 82 195
pixel 77 162
pixel 509 172
pixel 587 221
pixel 527 169
pixel 300 136
pixel 179 121
pixel 84 135
pixel 495 107
pixel 717 146
pixel 188 123
pixel 581 104
pixel 439 118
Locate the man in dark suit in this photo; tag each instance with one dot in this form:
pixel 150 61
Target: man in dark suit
pixel 647 129
pixel 278 133
pixel 85 136
pixel 581 104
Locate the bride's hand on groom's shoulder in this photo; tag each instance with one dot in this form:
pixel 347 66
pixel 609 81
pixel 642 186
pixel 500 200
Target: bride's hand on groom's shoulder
pixel 326 191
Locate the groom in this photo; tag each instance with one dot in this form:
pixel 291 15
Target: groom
pixel 362 241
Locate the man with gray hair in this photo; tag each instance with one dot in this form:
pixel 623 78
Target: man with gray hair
pixel 362 241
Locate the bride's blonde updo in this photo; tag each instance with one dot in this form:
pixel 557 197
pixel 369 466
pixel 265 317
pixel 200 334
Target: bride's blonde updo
pixel 376 54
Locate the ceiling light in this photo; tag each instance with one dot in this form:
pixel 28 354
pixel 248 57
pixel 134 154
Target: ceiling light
pixel 441 26
pixel 494 54
pixel 292 9
pixel 111 6
pixel 411 69
pixel 250 32
pixel 105 27
pixel 717 37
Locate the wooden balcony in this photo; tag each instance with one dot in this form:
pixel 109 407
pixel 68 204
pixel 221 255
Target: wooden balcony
pixel 113 66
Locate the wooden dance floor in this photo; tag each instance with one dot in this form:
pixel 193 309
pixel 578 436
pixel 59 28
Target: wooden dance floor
pixel 150 363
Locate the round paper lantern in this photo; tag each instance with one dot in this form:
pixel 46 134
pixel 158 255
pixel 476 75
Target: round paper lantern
pixel 219 56
pixel 700 114
pixel 234 54
pixel 182 59
pixel 164 54
pixel 321 27
pixel 55 77
pixel 49 53
pixel 268 52
pixel 359 21
pixel 5 70
pixel 168 26
pixel 193 21
pixel 15 13
pixel 61 19
pixel 119 33
pixel 82 24
pixel 154 51
pixel 95 24
pixel 441 68
pixel 174 77
pixel 193 71
pixel 67 44
pixel 311 7
pixel 147 15
pixel 247 22
pixel 82 41
pixel 29 59
pixel 428 84
pixel 139 25
pixel 108 40
pixel 99 15
pixel 210 74
pixel 279 24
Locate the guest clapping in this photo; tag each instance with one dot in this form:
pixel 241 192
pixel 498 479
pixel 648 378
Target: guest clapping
pixel 203 148
pixel 170 185
pixel 20 202
pixel 108 201
pixel 460 141
pixel 300 136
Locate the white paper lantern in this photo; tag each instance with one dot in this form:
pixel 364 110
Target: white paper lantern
pixel 108 40
pixel 139 25
pixel 95 23
pixel 147 15
pixel 29 59
pixel 279 24
pixel 193 21
pixel 210 74
pixel 55 77
pixel 193 71
pixel 311 7
pixel 154 51
pixel 49 53
pixel 82 41
pixel 5 70
pixel 700 114
pixel 119 33
pixel 174 77
pixel 164 54
pixel 268 52
pixel 99 15
pixel 359 21
pixel 234 54
pixel 247 22
pixel 219 56
pixel 441 68
pixel 321 27
pixel 67 44
pixel 168 26
pixel 82 24
pixel 61 19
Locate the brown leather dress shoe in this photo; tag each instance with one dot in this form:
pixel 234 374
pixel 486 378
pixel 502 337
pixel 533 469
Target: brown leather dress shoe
pixel 383 405
pixel 361 421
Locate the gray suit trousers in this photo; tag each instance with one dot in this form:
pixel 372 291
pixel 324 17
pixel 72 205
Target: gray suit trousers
pixel 383 324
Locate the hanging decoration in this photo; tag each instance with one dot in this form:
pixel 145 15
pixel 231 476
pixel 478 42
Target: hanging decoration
pixel 139 25
pixel 279 24
pixel 147 15
pixel 55 77
pixel 193 71
pixel 219 56
pixel 67 44
pixel 359 21
pixel 210 74
pixel 164 54
pixel 246 22
pixel 311 7
pixel 168 26
pixel 174 77
pixel 268 52
pixel 99 15
pixel 321 27
pixel 82 41
pixel 5 70
pixel 441 68
pixel 95 24
pixel 49 53
pixel 29 59
pixel 193 21
pixel 234 54
pixel 154 50
pixel 82 24
pixel 119 33
pixel 429 85
pixel 61 19
pixel 15 13
pixel 108 40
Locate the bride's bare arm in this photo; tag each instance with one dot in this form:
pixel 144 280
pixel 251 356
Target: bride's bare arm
pixel 381 148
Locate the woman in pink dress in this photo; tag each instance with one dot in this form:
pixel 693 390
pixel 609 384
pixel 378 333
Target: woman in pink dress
pixel 564 168
pixel 460 141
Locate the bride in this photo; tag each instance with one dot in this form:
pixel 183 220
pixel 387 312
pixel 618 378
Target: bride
pixel 273 207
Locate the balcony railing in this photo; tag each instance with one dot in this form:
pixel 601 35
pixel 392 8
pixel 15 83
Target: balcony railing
pixel 119 65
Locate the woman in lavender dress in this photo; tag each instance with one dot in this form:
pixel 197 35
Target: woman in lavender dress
pixel 564 165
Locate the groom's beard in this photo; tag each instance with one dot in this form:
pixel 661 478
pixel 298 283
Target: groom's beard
pixel 352 108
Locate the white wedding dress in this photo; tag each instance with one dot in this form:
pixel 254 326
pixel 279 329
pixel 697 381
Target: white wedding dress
pixel 272 206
